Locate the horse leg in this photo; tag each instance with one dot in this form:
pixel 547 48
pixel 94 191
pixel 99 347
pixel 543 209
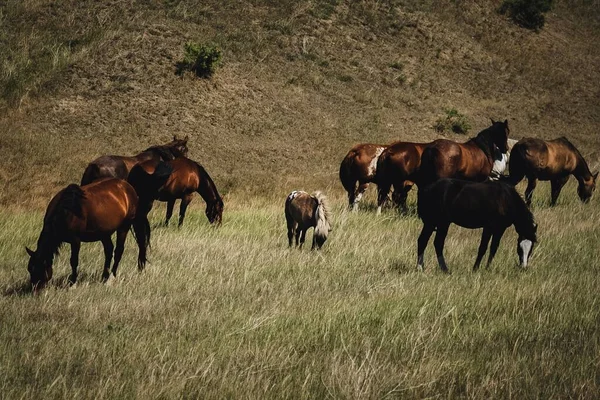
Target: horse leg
pixel 383 191
pixel 401 198
pixel 556 186
pixel 108 252
pixel 494 247
pixel 185 201
pixel 531 184
pixel 426 233
pixel 302 237
pixel 75 246
pixel 362 187
pixel 170 205
pixel 485 240
pixel 298 231
pixel 438 242
pixel 291 226
pixel 121 236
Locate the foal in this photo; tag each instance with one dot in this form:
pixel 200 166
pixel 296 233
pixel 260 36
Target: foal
pixel 304 211
pixel 493 206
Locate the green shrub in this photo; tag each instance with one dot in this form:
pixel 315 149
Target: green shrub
pixel 202 59
pixel 527 13
pixel 453 121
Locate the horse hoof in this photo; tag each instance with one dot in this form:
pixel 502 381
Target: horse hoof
pixel 72 280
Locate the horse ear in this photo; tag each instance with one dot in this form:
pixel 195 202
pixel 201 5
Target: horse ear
pixel 186 138
pixel 506 122
pixel 535 227
pixel 29 251
pixel 493 122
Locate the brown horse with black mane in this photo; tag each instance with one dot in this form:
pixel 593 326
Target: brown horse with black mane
pixel 472 160
pixel 554 161
pixel 88 213
pixel 119 166
pixel 187 177
pixel 398 166
pixel 359 167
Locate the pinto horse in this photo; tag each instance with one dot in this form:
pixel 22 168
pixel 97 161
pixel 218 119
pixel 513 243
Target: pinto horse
pixel 119 166
pixel 471 161
pixel 304 211
pixel 359 168
pixel 398 166
pixel 493 206
pixel 554 161
pixel 88 213
pixel 187 177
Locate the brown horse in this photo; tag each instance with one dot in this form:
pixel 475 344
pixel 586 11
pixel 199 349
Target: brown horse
pixel 187 177
pixel 304 211
pixel 554 161
pixel 88 213
pixel 398 166
pixel 493 206
pixel 472 160
pixel 119 166
pixel 359 167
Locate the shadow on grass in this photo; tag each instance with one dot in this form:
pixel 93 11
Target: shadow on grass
pixel 402 267
pixel 23 288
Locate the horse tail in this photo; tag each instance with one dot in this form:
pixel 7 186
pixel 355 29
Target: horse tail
pixel 141 232
pixel 524 221
pixel 516 164
pixel 322 215
pixel 91 173
pixel 347 177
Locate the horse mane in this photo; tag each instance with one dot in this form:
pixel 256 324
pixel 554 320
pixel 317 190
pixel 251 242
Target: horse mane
pixel 210 183
pixel 165 152
pixel 322 215
pixel 484 142
pixel 69 202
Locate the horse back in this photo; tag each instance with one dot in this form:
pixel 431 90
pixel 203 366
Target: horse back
pixel 107 167
pixel 545 160
pixel 301 207
pixel 106 205
pixel 184 179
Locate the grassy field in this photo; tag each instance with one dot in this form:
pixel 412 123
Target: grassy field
pixel 232 312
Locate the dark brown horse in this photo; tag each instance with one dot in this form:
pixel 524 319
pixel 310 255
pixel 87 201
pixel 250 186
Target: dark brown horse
pixel 358 169
pixel 493 206
pixel 119 166
pixel 472 160
pixel 187 177
pixel 398 166
pixel 304 211
pixel 554 161
pixel 88 213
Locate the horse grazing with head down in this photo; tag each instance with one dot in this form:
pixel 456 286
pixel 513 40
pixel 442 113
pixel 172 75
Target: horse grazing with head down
pixel 358 169
pixel 119 166
pixel 187 177
pixel 472 160
pixel 554 161
pixel 493 206
pixel 88 213
pixel 304 211
pixel 398 166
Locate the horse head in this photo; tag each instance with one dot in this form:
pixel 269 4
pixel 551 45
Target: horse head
pixel 39 267
pixel 498 135
pixel 586 188
pixel 214 212
pixel 179 146
pixel 525 245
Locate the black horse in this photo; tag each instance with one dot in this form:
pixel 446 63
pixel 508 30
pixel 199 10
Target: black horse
pixel 493 206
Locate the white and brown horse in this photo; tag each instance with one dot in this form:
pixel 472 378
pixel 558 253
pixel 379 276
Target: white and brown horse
pixel 358 169
pixel 304 211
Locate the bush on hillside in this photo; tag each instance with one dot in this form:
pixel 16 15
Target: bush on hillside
pixel 527 13
pixel 202 59
pixel 453 121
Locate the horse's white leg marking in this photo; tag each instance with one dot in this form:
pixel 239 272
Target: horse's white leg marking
pixel 420 263
pixel 525 246
pixel 378 210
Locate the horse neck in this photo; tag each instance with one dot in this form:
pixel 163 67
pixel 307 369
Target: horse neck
pixel 582 171
pixel 524 223
pixel 485 143
pixel 207 188
pixel 50 239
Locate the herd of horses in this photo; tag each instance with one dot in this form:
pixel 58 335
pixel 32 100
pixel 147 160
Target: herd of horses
pixel 464 184
pixel 460 183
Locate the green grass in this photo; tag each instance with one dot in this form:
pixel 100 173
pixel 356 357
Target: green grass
pixel 232 312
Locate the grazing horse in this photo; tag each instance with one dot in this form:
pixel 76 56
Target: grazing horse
pixel 119 166
pixel 501 161
pixel 187 177
pixel 359 167
pixel 493 206
pixel 552 160
pixel 88 213
pixel 471 161
pixel 398 166
pixel 304 211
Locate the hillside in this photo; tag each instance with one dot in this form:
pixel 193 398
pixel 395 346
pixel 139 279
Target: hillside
pixel 300 83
